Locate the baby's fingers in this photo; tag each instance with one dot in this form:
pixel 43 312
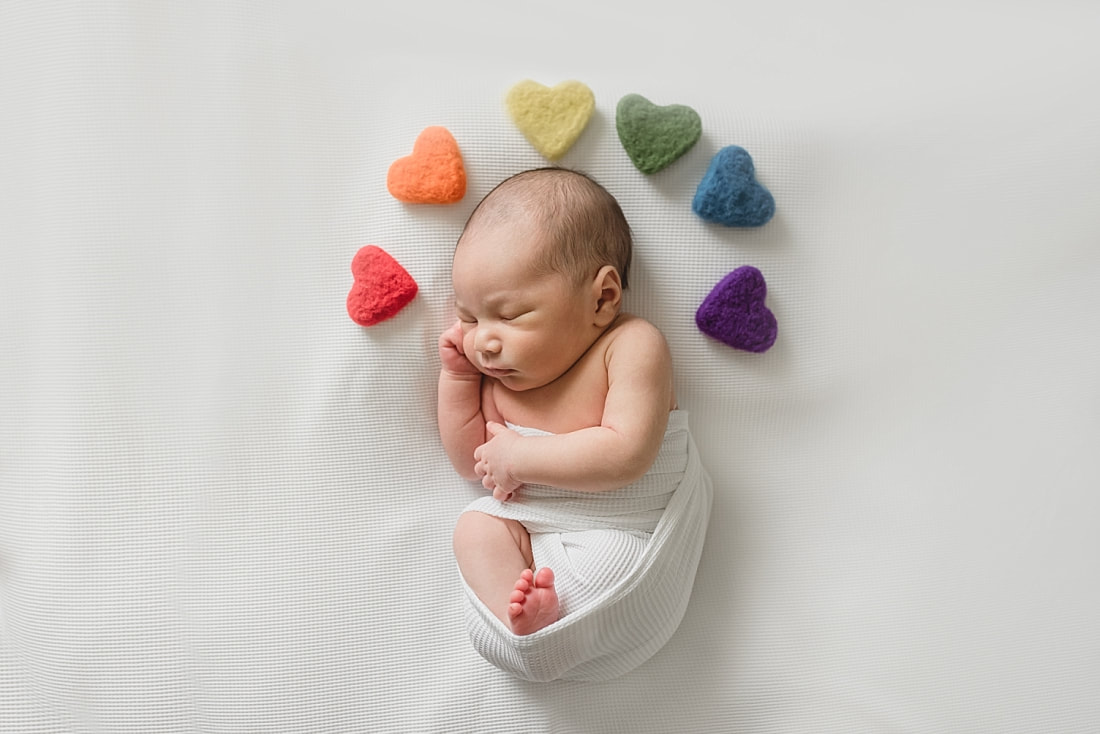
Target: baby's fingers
pixel 455 336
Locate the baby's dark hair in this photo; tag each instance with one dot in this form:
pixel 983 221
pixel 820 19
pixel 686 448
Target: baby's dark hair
pixel 584 225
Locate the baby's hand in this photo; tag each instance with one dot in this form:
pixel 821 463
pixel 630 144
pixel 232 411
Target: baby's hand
pixel 493 465
pixel 451 354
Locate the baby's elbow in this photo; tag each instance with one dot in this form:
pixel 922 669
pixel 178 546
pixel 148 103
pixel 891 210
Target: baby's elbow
pixel 465 469
pixel 637 469
pixel 634 464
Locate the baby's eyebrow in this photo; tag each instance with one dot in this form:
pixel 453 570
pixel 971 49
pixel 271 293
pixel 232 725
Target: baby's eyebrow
pixel 492 302
pixel 460 309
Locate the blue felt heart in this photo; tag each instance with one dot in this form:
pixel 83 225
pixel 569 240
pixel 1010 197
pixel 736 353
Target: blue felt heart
pixel 729 193
pixel 734 312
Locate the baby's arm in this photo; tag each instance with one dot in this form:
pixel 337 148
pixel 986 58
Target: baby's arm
pixel 615 453
pixel 461 421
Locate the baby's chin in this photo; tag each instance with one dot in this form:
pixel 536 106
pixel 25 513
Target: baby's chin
pixel 512 380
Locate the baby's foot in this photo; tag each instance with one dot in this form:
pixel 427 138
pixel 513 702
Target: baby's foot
pixel 534 602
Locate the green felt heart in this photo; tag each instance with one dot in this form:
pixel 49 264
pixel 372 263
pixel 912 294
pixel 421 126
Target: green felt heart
pixel 655 136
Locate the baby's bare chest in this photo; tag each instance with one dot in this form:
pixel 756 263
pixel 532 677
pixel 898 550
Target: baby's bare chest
pixel 573 401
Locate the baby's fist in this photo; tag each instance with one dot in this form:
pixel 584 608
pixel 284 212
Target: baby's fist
pixel 451 354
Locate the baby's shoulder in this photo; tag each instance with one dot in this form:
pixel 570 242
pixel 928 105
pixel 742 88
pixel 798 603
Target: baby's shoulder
pixel 633 335
pixel 628 327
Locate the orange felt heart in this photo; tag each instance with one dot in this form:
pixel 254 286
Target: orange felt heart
pixel 382 287
pixel 433 174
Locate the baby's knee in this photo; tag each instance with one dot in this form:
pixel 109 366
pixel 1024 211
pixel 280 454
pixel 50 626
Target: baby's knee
pixel 473 526
pixel 467 525
pixel 478 528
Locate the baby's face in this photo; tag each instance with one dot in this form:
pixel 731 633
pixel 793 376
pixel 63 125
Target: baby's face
pixel 519 326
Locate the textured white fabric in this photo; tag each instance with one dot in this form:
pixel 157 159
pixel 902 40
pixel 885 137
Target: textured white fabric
pixel 624 564
pixel 224 507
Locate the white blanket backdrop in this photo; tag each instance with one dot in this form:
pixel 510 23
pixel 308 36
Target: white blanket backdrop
pixel 223 505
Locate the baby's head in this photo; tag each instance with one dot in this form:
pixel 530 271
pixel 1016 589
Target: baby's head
pixel 538 275
pixel 581 226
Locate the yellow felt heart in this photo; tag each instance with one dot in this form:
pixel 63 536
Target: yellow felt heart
pixel 551 118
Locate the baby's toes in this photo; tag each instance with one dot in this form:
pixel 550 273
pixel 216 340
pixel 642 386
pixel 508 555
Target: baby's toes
pixel 544 578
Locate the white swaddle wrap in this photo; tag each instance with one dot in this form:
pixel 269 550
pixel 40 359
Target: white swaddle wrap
pixel 624 563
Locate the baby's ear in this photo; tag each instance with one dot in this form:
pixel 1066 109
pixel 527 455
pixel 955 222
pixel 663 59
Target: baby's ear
pixel 608 290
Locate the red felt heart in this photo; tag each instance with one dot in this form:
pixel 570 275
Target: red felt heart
pixel 382 287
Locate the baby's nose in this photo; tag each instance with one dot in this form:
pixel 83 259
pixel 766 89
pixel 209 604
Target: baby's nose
pixel 486 342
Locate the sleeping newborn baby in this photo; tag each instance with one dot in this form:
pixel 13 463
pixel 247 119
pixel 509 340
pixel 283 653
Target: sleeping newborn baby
pixel 562 405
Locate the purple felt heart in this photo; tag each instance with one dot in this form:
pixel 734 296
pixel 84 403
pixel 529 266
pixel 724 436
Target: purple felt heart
pixel 734 312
